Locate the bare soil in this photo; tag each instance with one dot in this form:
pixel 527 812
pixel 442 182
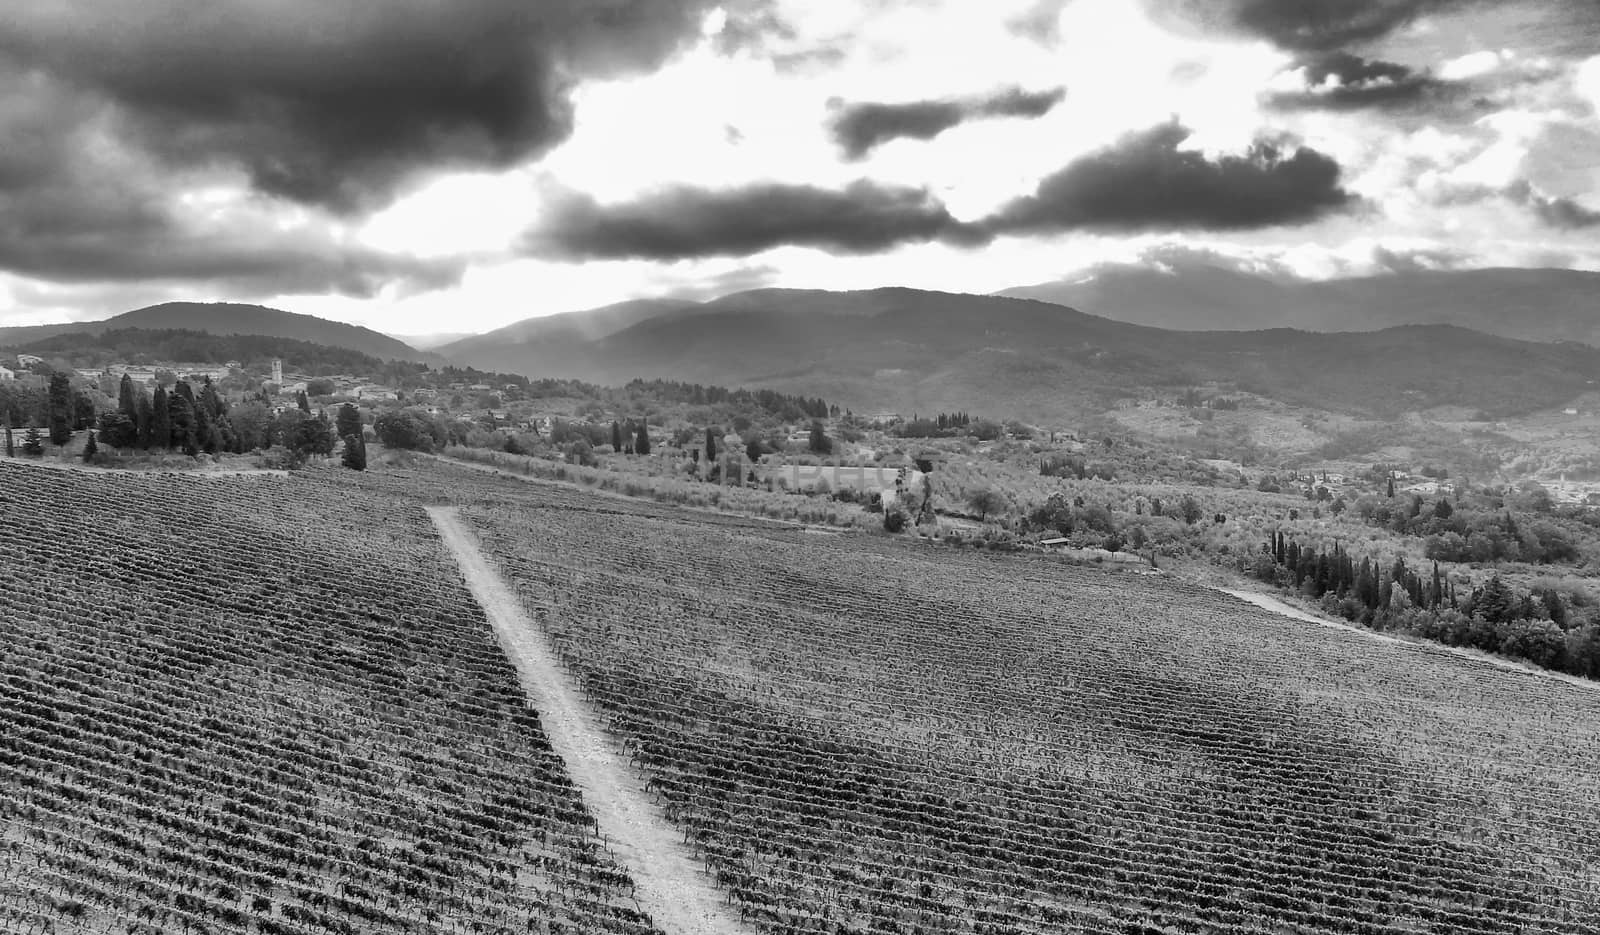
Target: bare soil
pixel 670 884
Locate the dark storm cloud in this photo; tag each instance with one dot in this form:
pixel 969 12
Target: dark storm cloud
pixel 1310 25
pixel 1145 182
pixel 1342 81
pixel 860 127
pixel 1560 213
pixel 75 207
pixel 683 222
pixel 338 104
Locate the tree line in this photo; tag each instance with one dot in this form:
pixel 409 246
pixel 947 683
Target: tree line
pixel 195 422
pixel 1538 625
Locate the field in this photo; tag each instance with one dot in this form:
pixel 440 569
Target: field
pixel 270 704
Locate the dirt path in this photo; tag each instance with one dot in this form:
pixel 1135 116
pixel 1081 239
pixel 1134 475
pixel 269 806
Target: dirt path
pixel 669 883
pixel 1284 608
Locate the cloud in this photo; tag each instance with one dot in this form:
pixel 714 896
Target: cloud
pixel 1144 181
pixel 1342 81
pixel 1560 213
pixel 684 222
pixel 1309 25
pixel 78 206
pixel 861 127
pixel 340 104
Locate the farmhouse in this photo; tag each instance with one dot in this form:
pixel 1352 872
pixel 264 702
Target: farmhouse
pixel 7 374
pixel 28 360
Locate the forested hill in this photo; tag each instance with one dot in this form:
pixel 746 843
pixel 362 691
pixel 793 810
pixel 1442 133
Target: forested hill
pixel 225 318
pixel 150 346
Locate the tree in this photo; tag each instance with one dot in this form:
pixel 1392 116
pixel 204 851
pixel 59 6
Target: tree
pixel 62 409
pixel 405 428
pixel 161 419
pixel 819 443
pixel 146 418
pixel 128 399
pixel 183 431
pixel 641 441
pixel 322 386
pixel 348 421
pixel 355 452
pixel 711 447
pixel 1443 509
pixel 616 436
pixel 986 500
pixel 118 430
pixel 301 401
pixel 11 451
pixel 90 449
pixel 32 442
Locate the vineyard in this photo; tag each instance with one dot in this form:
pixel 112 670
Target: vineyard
pixel 267 705
pixel 270 704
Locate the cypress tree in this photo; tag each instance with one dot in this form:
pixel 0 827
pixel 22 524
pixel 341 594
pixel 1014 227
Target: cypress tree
pixel 90 449
pixel 355 452
pixel 11 451
pixel 62 409
pixel 145 420
pixel 181 422
pixel 711 448
pixel 301 400
pixel 161 419
pixel 32 442
pixel 616 436
pixel 349 421
pixel 641 443
pixel 127 400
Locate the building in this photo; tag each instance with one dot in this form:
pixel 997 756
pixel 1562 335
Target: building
pixel 277 371
pixel 28 360
pixel 7 373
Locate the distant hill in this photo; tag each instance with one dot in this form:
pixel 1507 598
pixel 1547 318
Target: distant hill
pixel 913 350
pixel 1527 304
pixel 538 344
pixel 230 318
pixel 82 349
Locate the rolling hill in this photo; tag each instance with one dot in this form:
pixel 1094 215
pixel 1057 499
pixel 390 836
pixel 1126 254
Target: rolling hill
pixel 1527 304
pixel 230 318
pixel 908 349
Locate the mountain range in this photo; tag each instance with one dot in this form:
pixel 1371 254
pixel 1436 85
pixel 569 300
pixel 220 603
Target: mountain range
pixel 1528 304
pixel 1500 341
pixel 914 350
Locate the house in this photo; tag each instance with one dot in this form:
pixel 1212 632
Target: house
pixel 28 360
pixel 7 374
pixel 374 391
pixel 480 388
pixel 1569 411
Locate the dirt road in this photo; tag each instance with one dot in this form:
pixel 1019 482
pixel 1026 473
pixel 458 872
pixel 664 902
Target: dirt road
pixel 670 884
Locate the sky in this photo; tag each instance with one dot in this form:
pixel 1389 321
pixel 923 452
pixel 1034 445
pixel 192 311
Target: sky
pixel 429 166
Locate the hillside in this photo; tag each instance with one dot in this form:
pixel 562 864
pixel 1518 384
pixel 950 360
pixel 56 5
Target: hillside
pixel 230 318
pixel 908 350
pixel 1527 304
pixel 540 344
pixel 1146 756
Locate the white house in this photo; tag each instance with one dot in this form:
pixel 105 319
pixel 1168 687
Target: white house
pixel 28 360
pixel 7 374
